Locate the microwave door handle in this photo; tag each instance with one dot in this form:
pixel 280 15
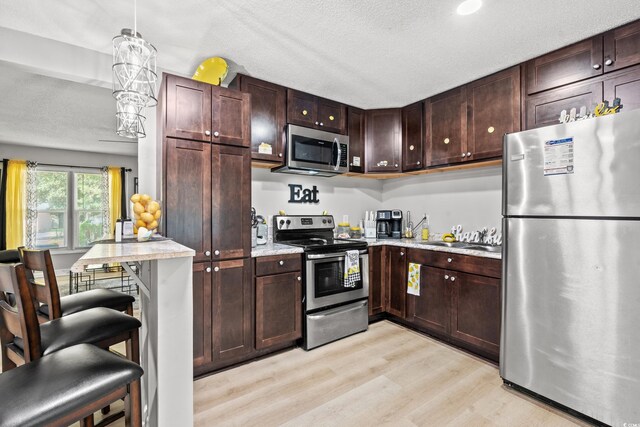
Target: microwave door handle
pixel 339 154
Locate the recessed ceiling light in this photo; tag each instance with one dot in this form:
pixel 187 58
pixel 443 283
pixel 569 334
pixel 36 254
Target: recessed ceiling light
pixel 468 7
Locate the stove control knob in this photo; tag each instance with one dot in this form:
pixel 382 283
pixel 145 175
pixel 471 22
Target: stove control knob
pixel 324 221
pixel 281 223
pixel 288 222
pixel 330 221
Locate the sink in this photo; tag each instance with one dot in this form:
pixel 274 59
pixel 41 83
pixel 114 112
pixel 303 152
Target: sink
pixel 484 248
pixel 447 244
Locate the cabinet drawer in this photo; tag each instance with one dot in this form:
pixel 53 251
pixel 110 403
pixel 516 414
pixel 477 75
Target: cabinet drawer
pixel 278 264
pixel 469 264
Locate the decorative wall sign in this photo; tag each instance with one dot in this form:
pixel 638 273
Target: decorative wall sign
pixel 297 194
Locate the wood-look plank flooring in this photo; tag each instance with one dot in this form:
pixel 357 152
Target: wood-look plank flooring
pixel 387 376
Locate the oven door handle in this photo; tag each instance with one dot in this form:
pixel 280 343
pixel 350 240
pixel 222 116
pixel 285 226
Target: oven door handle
pixel 332 255
pixel 326 313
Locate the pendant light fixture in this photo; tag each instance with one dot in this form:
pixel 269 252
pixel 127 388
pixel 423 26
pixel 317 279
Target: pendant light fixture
pixel 134 79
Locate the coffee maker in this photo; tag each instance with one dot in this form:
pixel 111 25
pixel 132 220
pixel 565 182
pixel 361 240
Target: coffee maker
pixel 389 224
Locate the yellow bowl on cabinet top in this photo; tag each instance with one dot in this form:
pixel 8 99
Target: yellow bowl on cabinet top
pixel 212 71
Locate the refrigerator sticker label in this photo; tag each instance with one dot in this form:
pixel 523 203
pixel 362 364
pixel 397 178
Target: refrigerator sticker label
pixel 558 156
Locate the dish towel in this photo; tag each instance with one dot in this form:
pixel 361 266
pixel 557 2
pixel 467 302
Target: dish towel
pixel 351 268
pixel 413 281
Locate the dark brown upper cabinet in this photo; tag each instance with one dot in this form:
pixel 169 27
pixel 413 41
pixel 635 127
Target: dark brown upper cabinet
pixel 626 86
pixel 308 110
pixel 543 109
pixel 611 51
pixel 493 105
pixel 383 139
pixel 563 66
pixel 231 202
pixel 200 111
pixel 446 127
pixel 187 210
pixel 622 47
pixel 412 137
pixel 356 132
pixel 268 117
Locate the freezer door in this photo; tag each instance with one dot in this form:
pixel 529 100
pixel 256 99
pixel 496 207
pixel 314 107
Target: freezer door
pixel 589 168
pixel 571 313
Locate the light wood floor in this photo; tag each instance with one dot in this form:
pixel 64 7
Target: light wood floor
pixel 386 376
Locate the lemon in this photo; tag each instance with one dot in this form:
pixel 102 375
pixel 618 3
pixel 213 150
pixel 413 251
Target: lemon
pixel 145 198
pixel 157 214
pixel 135 198
pixel 147 217
pixel 153 206
pixel 138 208
pixel 153 225
pixel 140 223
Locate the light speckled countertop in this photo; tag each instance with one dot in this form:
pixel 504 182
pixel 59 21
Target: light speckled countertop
pixel 274 249
pixel 419 244
pixel 280 249
pixel 104 253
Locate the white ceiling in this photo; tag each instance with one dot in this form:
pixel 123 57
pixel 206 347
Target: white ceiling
pixel 370 54
pixel 48 112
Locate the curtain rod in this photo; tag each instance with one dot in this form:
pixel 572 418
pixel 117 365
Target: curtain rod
pixel 75 166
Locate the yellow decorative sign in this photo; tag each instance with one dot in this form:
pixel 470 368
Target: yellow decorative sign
pixel 603 108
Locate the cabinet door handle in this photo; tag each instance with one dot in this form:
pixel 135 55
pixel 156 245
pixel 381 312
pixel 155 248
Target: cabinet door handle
pixel 396 165
pixel 321 124
pixel 401 253
pixel 468 154
pixel 596 66
pixel 299 278
pixel 449 259
pixel 207 132
pixel 216 252
pixel 279 154
pixel 608 62
pixel 208 269
pixel 216 134
pixel 216 269
pixel 316 123
pixel 281 262
pixel 207 253
pixel 418 162
pixel 453 279
pixel 446 277
pixel 464 155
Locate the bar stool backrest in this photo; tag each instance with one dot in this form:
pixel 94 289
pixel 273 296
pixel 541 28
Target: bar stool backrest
pixel 47 292
pixel 20 321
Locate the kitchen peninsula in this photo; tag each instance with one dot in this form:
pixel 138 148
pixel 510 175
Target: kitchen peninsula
pixel 163 271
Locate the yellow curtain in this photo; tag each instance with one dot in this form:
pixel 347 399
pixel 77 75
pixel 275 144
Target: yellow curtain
pixel 115 195
pixel 16 203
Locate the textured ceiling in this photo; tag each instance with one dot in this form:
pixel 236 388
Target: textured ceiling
pixel 370 54
pixel 47 112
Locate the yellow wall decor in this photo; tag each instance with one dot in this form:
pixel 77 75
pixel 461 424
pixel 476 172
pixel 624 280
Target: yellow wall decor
pixel 212 71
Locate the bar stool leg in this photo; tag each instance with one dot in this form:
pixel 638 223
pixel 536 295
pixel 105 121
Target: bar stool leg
pixel 133 406
pixel 87 422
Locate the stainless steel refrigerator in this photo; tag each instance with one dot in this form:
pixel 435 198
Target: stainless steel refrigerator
pixel 571 267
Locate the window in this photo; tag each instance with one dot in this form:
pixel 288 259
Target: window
pixel 69 208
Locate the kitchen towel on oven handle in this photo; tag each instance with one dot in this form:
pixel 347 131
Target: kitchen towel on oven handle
pixel 351 268
pixel 413 279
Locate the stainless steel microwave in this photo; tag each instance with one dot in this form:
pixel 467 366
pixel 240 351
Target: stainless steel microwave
pixel 315 152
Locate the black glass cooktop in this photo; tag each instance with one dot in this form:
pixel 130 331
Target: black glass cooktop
pixel 318 243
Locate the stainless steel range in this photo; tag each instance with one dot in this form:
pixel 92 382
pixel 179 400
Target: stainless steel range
pixel 332 310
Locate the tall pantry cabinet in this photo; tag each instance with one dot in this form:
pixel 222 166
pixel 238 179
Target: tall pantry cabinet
pixel 206 189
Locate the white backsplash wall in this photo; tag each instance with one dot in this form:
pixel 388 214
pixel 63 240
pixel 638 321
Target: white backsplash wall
pixel 338 195
pixel 472 198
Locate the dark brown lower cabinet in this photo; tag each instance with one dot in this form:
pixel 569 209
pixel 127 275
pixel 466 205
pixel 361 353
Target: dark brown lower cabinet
pixel 475 311
pixel 396 284
pixel 278 309
pixel 222 314
pixel 377 271
pixel 201 314
pixel 459 307
pixel 232 309
pixel 431 310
